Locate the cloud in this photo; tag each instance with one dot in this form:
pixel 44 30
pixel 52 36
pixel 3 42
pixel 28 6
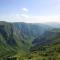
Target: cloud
pixel 25 9
pixel 44 19
pixel 24 15
pixel 30 19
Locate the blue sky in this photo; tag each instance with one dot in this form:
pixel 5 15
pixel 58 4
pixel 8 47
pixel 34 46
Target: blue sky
pixel 30 10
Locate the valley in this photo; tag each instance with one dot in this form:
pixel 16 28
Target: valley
pixel 29 41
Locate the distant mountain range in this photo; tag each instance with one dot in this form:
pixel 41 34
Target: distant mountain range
pixel 53 24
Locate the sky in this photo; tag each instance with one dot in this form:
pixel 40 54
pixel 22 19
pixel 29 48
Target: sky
pixel 30 11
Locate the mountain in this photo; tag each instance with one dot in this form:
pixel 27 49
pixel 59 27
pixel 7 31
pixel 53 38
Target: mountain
pixel 16 38
pixel 53 24
pixel 29 30
pixel 47 46
pixel 26 41
pixel 48 38
pixel 7 42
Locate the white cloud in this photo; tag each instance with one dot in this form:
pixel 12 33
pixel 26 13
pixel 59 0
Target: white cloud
pixel 44 19
pixel 25 9
pixel 28 19
pixel 24 15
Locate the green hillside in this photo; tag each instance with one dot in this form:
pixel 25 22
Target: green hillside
pixel 16 38
pixel 27 41
pixel 7 42
pixel 48 45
